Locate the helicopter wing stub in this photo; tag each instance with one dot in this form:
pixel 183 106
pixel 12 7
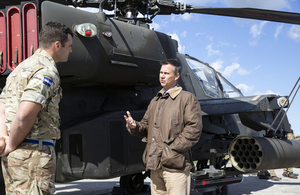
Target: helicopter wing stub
pixel 237 105
pixel 250 13
pixel 255 112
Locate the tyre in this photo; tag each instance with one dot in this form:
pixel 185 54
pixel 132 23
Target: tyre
pixel 222 190
pixel 134 183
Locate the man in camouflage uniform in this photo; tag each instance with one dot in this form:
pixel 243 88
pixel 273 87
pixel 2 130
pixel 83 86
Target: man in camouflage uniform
pixel 29 117
pixel 288 172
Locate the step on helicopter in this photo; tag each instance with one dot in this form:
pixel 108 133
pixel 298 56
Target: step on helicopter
pixel 114 68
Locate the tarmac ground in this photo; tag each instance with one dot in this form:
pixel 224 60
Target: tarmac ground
pixel 250 185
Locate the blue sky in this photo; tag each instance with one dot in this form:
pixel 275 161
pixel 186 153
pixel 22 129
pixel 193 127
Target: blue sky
pixel 258 57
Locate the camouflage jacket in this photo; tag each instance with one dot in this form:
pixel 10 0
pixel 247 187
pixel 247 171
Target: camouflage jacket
pixel 37 80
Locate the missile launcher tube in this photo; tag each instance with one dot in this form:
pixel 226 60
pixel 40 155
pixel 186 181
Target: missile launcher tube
pixel 250 154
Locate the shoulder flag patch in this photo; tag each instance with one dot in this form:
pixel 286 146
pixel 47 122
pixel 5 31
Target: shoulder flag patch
pixel 47 81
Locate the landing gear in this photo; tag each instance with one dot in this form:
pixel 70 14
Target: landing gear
pixel 222 190
pixel 134 183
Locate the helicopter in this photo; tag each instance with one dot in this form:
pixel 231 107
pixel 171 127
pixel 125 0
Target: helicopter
pixel 114 67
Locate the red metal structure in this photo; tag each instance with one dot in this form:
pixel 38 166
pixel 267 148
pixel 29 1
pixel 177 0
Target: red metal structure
pixel 29 29
pixel 13 37
pixel 2 43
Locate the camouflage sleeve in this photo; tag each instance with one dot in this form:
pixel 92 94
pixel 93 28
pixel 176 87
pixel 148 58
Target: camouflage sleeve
pixel 41 86
pixel 3 95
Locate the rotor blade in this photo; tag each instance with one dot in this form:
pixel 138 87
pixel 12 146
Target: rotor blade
pixel 251 13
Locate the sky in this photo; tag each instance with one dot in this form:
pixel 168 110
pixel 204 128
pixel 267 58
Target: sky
pixel 258 57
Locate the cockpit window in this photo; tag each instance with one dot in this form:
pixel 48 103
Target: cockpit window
pixel 228 89
pixel 206 77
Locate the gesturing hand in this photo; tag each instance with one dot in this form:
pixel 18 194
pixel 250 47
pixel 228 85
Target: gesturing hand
pixel 130 121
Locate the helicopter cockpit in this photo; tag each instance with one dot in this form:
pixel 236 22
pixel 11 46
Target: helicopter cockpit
pixel 209 78
pixel 228 89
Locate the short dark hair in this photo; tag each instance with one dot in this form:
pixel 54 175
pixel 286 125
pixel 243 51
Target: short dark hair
pixel 175 63
pixel 54 31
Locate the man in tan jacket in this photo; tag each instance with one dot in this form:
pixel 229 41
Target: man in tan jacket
pixel 172 124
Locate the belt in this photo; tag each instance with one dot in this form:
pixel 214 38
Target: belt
pixel 50 142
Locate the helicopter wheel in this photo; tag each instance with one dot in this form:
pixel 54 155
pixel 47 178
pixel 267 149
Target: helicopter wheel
pixel 133 183
pixel 222 190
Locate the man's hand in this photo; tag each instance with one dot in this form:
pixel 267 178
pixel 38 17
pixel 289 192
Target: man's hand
pixel 7 147
pixel 2 144
pixel 130 121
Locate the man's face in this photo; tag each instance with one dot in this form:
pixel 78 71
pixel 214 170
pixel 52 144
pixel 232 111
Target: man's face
pixel 63 52
pixel 167 78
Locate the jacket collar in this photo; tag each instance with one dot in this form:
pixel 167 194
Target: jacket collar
pixel 173 93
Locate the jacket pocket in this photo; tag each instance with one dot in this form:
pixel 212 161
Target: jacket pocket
pixel 175 127
pixel 20 155
pixel 145 156
pixel 172 159
pixel 19 158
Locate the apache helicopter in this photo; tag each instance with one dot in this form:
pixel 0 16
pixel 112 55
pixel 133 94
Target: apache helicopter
pixel 114 67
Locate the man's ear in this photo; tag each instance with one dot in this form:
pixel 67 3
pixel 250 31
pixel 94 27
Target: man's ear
pixel 57 44
pixel 177 76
